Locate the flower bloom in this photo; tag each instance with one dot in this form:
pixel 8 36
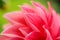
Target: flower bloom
pixel 32 23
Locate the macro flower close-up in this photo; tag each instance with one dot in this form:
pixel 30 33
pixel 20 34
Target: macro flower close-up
pixel 34 22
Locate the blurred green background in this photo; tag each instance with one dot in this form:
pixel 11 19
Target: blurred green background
pixel 12 5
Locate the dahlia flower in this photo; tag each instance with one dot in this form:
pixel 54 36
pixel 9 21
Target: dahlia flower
pixel 32 23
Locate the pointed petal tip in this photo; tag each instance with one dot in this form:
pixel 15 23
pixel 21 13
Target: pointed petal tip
pixel 49 5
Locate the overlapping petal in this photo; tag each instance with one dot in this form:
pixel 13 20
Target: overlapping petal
pixel 32 24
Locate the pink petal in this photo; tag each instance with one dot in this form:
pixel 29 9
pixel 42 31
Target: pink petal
pixel 15 17
pixel 55 21
pixel 35 36
pixel 34 21
pixel 41 10
pixel 12 29
pixel 42 13
pixel 27 9
pixel 58 38
pixel 58 35
pixel 25 30
pixel 49 37
pixel 6 26
pixel 4 38
pixel 9 38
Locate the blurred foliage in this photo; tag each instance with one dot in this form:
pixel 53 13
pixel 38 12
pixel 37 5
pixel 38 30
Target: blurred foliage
pixel 12 5
pixel 56 5
pixel 2 3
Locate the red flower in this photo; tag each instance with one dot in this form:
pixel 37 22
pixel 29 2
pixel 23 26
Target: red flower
pixel 32 24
